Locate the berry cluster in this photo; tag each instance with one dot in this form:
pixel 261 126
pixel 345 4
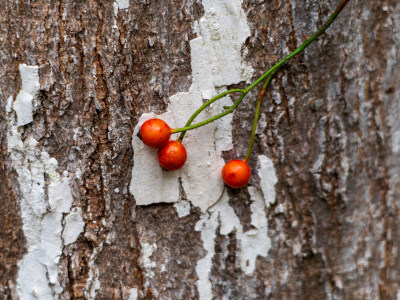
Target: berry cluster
pixel 236 173
pixel 172 155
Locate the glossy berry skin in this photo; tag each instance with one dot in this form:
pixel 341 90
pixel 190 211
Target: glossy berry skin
pixel 236 173
pixel 155 133
pixel 172 156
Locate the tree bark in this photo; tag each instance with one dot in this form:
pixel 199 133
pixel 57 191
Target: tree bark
pixel 319 218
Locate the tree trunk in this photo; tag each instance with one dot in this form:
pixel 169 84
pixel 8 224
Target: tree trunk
pixel 87 213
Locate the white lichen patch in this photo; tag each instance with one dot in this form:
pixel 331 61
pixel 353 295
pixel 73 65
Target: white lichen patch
pixel 221 214
pixel 9 104
pixel 74 226
pixel 268 179
pixel 217 62
pixel 29 78
pixel 60 197
pixel 120 4
pixel 42 223
pixel 207 225
pixel 182 208
pixel 146 263
pixel 223 30
pixel 133 294
pixel 23 105
pixel 229 221
pixel 51 247
pixel 255 242
pixel 24 108
pixel 42 219
pixel 252 243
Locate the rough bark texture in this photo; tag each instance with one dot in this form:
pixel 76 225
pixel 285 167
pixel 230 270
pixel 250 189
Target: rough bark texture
pixel 330 123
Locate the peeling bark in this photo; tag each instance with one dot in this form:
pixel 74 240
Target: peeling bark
pixel 329 123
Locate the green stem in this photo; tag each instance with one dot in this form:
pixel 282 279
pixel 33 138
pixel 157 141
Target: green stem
pixel 202 108
pixel 301 47
pixel 253 132
pixel 272 70
pixel 226 112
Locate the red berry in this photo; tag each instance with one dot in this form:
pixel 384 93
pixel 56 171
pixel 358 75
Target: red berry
pixel 155 133
pixel 172 156
pixel 236 173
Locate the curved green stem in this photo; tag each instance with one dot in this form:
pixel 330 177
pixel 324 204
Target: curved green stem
pixel 201 108
pixel 302 46
pixel 226 112
pixel 272 71
pixel 257 113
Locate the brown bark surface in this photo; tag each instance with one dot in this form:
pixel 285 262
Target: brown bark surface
pixel 332 129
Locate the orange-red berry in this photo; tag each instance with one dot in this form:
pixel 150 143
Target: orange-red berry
pixel 172 156
pixel 236 173
pixel 155 133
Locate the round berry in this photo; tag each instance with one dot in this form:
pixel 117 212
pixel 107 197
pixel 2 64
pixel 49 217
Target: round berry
pixel 236 173
pixel 155 133
pixel 172 156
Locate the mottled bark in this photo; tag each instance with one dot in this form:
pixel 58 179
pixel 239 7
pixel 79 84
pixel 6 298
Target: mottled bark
pixel 330 122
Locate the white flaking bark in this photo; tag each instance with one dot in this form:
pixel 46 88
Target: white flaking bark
pixel 133 294
pixel 60 197
pixel 9 104
pixel 23 105
pixel 268 179
pixel 74 225
pixel 182 208
pixel 123 4
pixel 255 242
pixel 29 78
pixel 145 261
pixel 252 243
pixel 146 251
pixel 207 225
pixel 120 4
pixel 42 220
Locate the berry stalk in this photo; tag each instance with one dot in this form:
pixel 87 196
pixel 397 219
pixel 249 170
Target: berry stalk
pixel 272 71
pixel 256 115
